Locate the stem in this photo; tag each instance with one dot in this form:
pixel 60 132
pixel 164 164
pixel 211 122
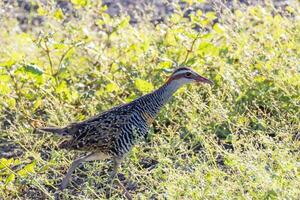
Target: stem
pixel 65 54
pixel 50 62
pixel 16 86
pixel 191 48
pixel 63 57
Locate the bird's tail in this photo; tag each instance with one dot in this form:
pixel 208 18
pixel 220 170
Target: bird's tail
pixel 56 130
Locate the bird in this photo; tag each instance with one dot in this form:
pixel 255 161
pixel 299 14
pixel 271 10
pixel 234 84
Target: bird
pixel 113 133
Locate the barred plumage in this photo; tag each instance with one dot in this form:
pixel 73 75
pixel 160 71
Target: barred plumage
pixel 112 134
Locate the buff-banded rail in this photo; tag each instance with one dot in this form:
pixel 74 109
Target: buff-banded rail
pixel 112 134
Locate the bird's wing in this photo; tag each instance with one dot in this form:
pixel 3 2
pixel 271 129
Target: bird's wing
pixel 98 132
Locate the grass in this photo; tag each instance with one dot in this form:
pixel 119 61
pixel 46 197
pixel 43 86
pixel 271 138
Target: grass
pixel 236 140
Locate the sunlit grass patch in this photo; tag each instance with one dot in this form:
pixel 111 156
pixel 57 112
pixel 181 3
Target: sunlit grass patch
pixel 237 139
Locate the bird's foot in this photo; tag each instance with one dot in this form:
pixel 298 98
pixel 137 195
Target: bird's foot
pixel 125 192
pixel 114 177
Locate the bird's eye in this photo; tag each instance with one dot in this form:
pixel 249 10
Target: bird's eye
pixel 188 74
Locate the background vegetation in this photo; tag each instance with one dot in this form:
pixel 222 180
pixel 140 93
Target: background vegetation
pixel 236 140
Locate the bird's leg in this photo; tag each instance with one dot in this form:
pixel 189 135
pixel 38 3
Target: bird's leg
pixel 116 165
pixel 66 179
pixel 89 157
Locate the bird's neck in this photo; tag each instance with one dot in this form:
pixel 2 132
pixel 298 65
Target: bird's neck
pixel 166 91
pixel 153 102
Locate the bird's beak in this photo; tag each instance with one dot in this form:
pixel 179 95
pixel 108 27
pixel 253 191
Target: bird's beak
pixel 201 79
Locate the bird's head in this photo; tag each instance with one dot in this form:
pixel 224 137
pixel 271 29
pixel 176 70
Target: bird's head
pixel 184 75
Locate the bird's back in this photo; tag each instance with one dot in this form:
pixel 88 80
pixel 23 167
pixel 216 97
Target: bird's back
pixel 99 132
pixel 114 131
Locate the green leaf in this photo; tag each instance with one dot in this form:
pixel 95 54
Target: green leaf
pixel 11 102
pixel 65 91
pixel 165 65
pixel 228 138
pixel 199 13
pixel 143 85
pixel 37 103
pixel 58 14
pixel 81 3
pixel 41 11
pixel 112 87
pixel 190 61
pixel 33 69
pixel 210 16
pixel 5 163
pixel 7 63
pixel 27 169
pixel 124 23
pixel 218 28
pixel 290 9
pixel 10 178
pixel 5 89
pixel 62 87
pixel 170 39
pixel 189 2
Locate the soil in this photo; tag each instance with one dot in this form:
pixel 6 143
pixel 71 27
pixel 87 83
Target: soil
pixel 139 10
